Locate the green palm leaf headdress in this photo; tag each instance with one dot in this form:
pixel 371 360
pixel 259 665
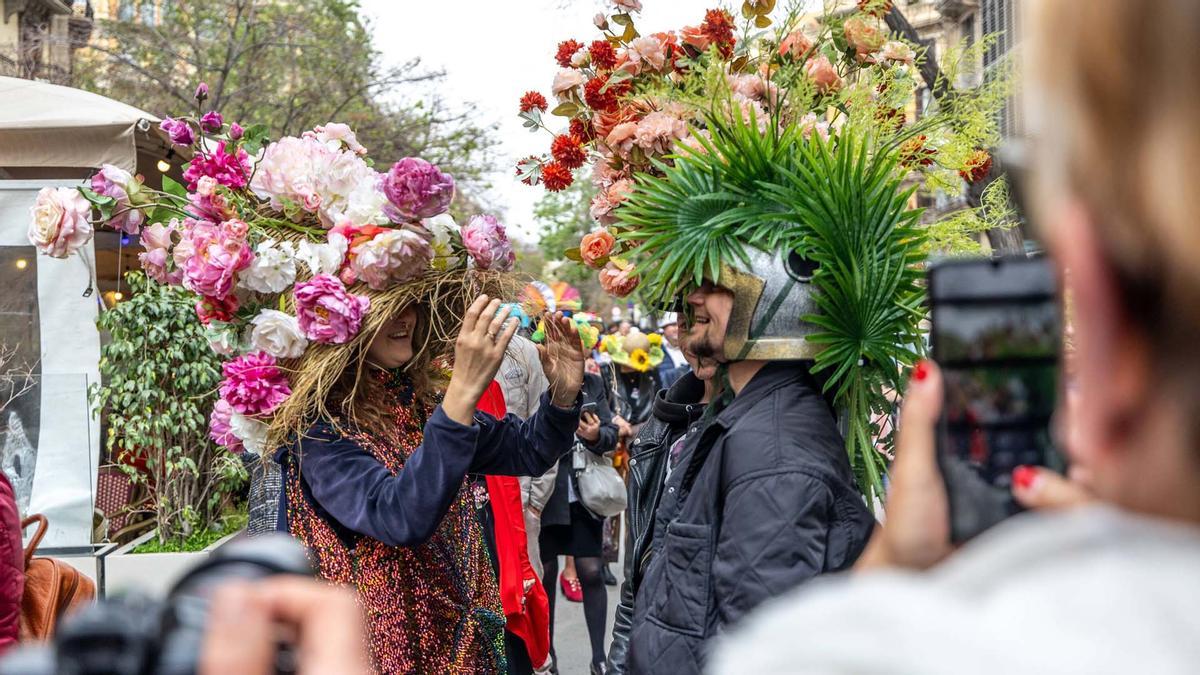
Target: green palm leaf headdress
pixel 842 205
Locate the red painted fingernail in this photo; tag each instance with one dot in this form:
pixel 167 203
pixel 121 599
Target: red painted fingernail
pixel 921 370
pixel 1024 477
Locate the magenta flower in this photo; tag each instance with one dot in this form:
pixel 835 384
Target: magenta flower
pixel 229 169
pixel 201 91
pixel 253 384
pixel 211 257
pixel 157 241
pixel 416 189
pixel 327 313
pixel 220 430
pixel 179 130
pixel 487 243
pixel 212 122
pixel 236 131
pixel 119 184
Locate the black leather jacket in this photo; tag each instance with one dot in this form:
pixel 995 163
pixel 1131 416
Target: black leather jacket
pixel 675 411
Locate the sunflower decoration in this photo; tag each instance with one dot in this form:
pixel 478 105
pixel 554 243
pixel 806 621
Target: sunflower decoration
pixel 655 339
pixel 635 351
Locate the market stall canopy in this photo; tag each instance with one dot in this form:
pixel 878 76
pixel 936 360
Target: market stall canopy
pixel 47 125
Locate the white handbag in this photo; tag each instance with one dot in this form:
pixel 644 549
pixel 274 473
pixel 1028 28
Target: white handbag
pixel 600 487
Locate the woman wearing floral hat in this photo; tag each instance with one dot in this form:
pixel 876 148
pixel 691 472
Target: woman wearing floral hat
pixel 359 338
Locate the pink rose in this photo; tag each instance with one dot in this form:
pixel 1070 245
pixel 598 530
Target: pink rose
pixel 157 241
pixel 754 88
pixel 600 21
pixel 487 243
pixel 628 5
pixel 618 282
pixel 211 256
pixel 648 50
pixel 417 189
pixel 334 135
pixel 658 131
pixel 327 313
pixel 795 45
pixel 596 246
pixel 59 223
pixel 864 35
pixel 219 429
pixel 566 82
pixel 621 139
pixel 119 184
pixel 253 384
pixel 208 203
pixel 823 74
pixel 695 37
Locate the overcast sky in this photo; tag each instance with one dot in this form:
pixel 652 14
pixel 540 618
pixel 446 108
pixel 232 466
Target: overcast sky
pixel 493 52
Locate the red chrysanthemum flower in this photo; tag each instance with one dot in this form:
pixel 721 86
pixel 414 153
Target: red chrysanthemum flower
pixel 531 100
pixel 604 57
pixel 913 153
pixel 604 100
pixel 718 27
pixel 582 129
pixel 978 166
pixel 567 49
pixel 568 151
pixel 556 177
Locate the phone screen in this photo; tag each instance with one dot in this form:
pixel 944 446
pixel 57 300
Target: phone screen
pixel 997 336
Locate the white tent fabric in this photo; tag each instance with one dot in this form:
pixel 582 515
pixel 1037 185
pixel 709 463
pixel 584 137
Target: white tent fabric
pixel 49 125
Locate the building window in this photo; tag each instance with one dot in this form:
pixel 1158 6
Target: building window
pixel 1000 17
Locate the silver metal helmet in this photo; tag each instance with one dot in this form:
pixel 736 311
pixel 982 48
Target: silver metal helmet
pixel 771 292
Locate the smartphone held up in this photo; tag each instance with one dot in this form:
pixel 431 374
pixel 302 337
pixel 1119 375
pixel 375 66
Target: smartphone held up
pixel 997 335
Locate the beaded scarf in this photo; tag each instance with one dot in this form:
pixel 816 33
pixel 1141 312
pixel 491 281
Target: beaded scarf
pixel 430 608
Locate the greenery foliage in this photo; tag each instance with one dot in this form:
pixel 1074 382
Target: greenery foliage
pixel 159 383
pixel 197 540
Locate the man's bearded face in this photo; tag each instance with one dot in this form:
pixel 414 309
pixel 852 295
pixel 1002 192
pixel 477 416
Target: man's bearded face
pixel 711 306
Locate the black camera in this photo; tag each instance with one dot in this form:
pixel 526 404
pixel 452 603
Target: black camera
pixel 136 635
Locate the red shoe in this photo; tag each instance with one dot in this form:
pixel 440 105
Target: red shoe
pixel 571 588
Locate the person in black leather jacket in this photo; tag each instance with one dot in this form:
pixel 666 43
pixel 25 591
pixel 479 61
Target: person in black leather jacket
pixel 676 414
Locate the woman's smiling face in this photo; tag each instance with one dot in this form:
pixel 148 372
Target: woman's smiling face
pixel 393 346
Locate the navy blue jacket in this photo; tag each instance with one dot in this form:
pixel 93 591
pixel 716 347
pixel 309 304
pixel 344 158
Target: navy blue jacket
pixel 357 495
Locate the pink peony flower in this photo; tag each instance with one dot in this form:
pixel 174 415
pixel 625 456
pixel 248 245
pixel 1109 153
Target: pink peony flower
pixel 231 169
pixel 487 243
pixel 179 131
pixel 212 122
pixel 210 309
pixel 610 198
pixel 290 173
pixel 253 384
pixel 219 429
pixel 417 189
pixel 211 256
pixel 566 82
pixel 650 51
pixel 823 74
pixel 658 131
pixel 327 313
pixel 119 184
pixel 617 281
pixel 622 138
pixel 392 256
pixel 59 223
pixel 157 241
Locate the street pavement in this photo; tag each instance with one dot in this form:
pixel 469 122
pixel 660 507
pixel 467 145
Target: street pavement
pixel 570 632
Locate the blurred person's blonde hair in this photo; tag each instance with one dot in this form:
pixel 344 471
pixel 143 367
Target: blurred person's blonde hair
pixel 1117 84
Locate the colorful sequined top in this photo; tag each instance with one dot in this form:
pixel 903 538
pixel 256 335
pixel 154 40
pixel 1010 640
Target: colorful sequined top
pixel 394 518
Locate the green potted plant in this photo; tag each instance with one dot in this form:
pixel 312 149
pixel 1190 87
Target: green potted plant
pixel 160 381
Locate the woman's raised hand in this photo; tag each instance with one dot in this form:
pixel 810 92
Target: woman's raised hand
pixel 563 356
pixel 485 334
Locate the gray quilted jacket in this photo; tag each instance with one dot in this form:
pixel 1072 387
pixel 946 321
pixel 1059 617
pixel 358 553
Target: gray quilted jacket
pixel 763 500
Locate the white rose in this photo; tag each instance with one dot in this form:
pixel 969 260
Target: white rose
pixel 324 258
pixel 252 433
pixel 566 81
pixel 273 269
pixel 222 338
pixel 59 223
pixel 580 58
pixel 444 230
pixel 278 334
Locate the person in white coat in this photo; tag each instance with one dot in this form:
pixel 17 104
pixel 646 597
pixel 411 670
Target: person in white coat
pixel 1107 582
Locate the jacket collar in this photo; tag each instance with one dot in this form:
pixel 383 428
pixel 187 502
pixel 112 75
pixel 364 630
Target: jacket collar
pixel 773 376
pixel 680 405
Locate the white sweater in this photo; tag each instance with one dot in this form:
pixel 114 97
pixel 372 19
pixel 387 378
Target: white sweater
pixel 1090 591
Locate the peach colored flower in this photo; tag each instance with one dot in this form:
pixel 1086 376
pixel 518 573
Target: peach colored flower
pixel 658 131
pixel 823 74
pixel 810 123
pixel 58 224
pixel 566 82
pixel 610 198
pixel 622 138
pixel 617 281
pixel 628 62
pixel 754 88
pixel 865 35
pixel 795 45
pixel 694 36
pixel 596 246
pixel 897 52
pixel 650 51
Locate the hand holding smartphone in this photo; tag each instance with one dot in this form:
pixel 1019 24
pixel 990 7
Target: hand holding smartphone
pixel 997 335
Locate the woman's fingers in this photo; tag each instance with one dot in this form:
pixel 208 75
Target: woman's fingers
pixel 497 322
pixel 1035 487
pixel 506 335
pixel 916 441
pixel 240 635
pixel 473 313
pixel 486 317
